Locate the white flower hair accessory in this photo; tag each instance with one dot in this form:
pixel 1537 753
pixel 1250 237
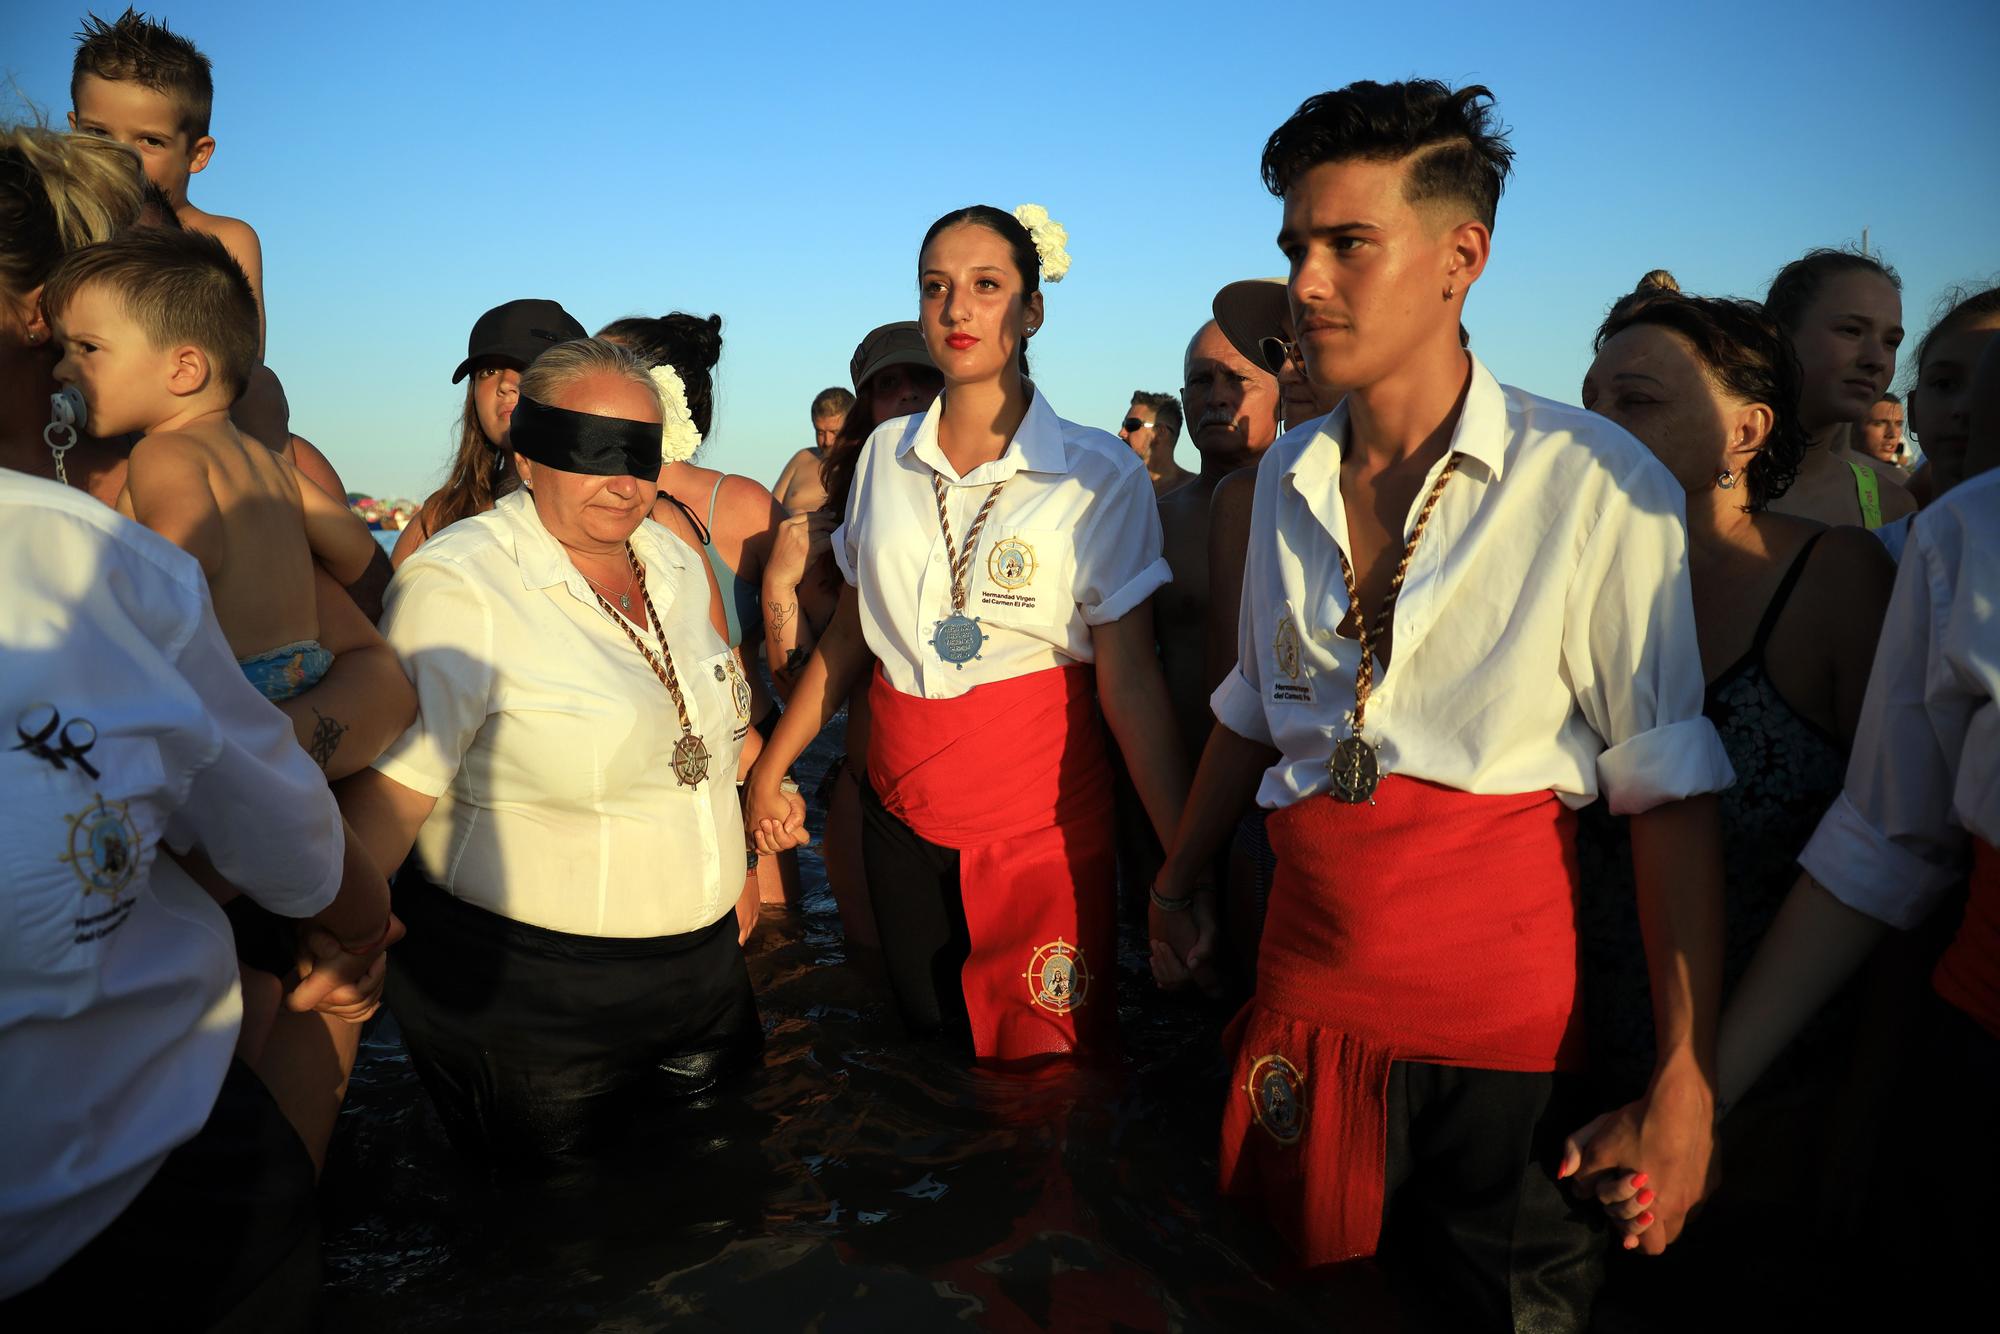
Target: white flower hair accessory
pixel 1049 237
pixel 679 437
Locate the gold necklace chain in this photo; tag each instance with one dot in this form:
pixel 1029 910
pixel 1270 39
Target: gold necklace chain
pixel 961 559
pixel 1364 675
pixel 690 755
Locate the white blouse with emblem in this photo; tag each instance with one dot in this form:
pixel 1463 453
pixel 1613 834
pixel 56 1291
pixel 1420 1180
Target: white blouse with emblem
pixel 1544 637
pixel 548 740
pixel 119 1002
pixel 1073 541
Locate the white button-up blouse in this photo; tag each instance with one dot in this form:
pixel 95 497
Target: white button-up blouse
pixel 1073 541
pixel 1544 637
pixel 548 740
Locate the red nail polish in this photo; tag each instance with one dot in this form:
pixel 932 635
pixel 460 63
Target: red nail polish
pixel 1645 1198
pixel 1646 1219
pixel 1639 1179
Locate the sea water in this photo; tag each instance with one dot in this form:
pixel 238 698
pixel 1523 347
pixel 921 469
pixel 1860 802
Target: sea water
pixel 856 1181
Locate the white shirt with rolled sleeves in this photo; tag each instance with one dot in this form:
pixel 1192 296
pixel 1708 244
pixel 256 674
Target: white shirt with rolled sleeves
pixel 119 1002
pixel 1925 769
pixel 1544 638
pixel 1073 542
pixel 548 741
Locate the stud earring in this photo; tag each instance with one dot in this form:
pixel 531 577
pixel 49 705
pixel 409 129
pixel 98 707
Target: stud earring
pixel 1449 290
pixel 1726 480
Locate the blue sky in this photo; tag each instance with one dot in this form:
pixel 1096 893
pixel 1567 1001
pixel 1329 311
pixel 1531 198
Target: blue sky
pixel 410 165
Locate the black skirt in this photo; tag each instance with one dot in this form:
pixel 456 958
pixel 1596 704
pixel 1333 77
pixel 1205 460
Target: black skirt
pixel 537 1045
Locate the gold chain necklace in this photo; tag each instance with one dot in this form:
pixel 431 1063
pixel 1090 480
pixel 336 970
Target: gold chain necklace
pixel 958 638
pixel 1355 771
pixel 691 757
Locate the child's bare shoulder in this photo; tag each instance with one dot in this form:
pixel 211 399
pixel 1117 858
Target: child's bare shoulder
pixel 236 235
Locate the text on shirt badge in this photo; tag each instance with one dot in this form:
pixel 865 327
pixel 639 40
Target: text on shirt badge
pixel 1291 683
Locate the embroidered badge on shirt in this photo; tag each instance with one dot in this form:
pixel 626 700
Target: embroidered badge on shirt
pixel 1289 659
pixel 739 689
pixel 1276 1088
pixel 1011 563
pixel 1058 977
pixel 104 853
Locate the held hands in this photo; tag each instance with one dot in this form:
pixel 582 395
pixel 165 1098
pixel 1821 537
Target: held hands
pixel 774 816
pixel 1183 940
pixel 1669 1134
pixel 333 981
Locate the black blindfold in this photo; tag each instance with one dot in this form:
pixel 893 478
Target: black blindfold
pixel 581 442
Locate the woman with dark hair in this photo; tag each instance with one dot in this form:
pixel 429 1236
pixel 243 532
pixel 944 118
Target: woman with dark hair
pixel 1786 617
pixel 1940 397
pixel 1001 562
pixel 733 520
pixel 1843 313
pixel 503 342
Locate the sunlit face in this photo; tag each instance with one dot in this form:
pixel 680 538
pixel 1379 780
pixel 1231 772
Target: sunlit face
pixel 123 375
pixel 496 388
pixel 1941 404
pixel 826 430
pixel 898 391
pixel 1367 272
pixel 973 307
pixel 1882 434
pixel 1230 405
pixel 583 511
pixel 1140 437
pixel 1649 381
pixel 1846 343
pixel 147 120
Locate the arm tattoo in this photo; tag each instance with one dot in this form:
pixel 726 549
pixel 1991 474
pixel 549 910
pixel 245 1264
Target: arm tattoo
pixel 782 613
pixel 326 736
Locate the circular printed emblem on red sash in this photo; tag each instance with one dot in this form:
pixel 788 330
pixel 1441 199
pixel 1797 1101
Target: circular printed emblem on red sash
pixel 1277 1097
pixel 1058 978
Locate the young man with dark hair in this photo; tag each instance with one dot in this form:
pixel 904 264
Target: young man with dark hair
pixel 1465 614
pixel 1151 427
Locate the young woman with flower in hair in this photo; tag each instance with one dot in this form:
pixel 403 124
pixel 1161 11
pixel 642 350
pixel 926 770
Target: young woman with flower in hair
pixel 1000 563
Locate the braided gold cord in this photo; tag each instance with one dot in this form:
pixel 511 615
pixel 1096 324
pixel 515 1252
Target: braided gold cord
pixel 1364 675
pixel 961 560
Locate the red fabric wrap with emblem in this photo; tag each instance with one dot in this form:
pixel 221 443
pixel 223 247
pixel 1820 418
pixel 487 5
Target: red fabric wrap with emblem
pixel 1434 926
pixel 1013 776
pixel 1968 976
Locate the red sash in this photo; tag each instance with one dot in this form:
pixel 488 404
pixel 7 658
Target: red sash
pixel 1013 775
pixel 1968 975
pixel 1433 926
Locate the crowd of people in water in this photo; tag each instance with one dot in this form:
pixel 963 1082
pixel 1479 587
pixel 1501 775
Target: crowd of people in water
pixel 1587 803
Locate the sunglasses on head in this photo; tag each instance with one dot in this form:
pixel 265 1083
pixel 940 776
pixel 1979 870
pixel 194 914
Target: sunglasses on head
pixel 1134 424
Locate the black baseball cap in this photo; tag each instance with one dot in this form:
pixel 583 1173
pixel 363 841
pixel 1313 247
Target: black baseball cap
pixel 898 344
pixel 519 332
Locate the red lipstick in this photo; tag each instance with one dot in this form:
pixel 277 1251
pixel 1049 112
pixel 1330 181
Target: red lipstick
pixel 958 342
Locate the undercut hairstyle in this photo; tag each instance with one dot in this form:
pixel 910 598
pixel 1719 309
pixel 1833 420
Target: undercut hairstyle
pixel 1166 413
pixel 180 287
pixel 833 402
pixel 564 364
pixel 1027 260
pixel 136 49
pixel 691 344
pixel 58 193
pixel 1747 354
pixel 1961 308
pixel 1456 149
pixel 1793 291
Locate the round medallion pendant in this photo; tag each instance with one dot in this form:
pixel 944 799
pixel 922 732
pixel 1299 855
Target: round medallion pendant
pixel 690 759
pixel 1058 977
pixel 1354 771
pixel 1276 1087
pixel 958 639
